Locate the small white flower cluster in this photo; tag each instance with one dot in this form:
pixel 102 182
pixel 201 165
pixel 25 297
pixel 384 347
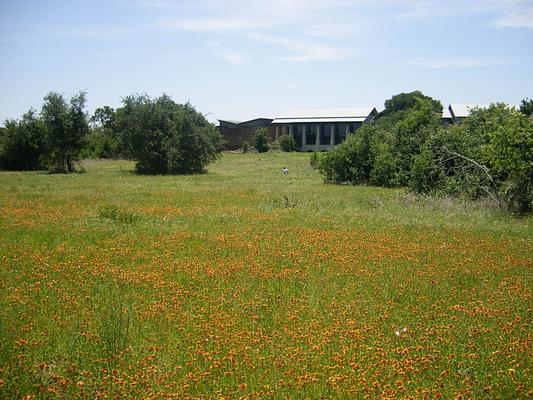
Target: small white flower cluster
pixel 400 331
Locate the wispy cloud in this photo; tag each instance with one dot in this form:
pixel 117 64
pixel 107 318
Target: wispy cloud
pixel 516 19
pixel 447 63
pixel 95 33
pixel 306 30
pixel 229 56
pixel 505 13
pixel 216 24
pixel 303 50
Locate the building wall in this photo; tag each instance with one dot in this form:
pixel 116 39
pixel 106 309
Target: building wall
pixel 238 133
pixel 318 136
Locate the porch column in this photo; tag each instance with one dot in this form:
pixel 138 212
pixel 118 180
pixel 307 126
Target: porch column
pixel 304 136
pixel 332 138
pixel 317 141
pixel 277 132
pixel 290 129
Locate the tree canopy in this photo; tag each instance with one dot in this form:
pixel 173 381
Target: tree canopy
pixel 490 154
pixel 165 137
pixel 66 127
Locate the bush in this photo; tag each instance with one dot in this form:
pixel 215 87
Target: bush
pixel 383 153
pixel 314 159
pixel 261 140
pixel 489 155
pixel 102 143
pixel 165 137
pixel 287 143
pixel 245 146
pixel 22 144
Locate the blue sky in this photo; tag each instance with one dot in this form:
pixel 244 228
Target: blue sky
pixel 239 59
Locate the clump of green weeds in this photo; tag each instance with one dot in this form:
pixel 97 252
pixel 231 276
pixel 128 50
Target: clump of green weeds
pixel 113 213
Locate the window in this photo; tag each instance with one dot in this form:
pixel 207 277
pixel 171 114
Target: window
pixel 325 134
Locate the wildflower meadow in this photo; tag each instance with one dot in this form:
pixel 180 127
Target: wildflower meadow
pixel 247 282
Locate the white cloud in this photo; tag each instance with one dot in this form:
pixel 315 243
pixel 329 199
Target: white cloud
pixel 446 63
pixel 522 19
pixel 233 57
pixel 506 13
pixel 303 49
pixel 309 30
pixel 216 24
pixel 229 56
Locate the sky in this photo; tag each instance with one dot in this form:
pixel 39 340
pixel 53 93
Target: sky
pixel 239 60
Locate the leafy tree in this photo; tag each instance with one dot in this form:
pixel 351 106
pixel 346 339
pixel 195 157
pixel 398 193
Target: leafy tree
pixel 104 117
pixel 287 142
pixel 261 140
pixel 103 141
pixel 526 107
pixel 489 155
pixel 405 101
pixel 383 153
pixel 165 137
pixel 66 127
pixel 22 143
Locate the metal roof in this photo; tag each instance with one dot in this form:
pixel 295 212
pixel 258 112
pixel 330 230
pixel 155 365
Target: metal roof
pixel 229 121
pixel 305 120
pixel 324 115
pixel 446 113
pixel 463 110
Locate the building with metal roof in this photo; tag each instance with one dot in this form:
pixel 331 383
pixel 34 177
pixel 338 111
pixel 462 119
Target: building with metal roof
pixel 458 112
pixel 235 133
pixel 321 128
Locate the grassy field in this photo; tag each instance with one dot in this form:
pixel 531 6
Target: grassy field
pixel 247 283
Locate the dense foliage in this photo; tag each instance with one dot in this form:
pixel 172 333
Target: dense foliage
pixel 382 153
pixel 162 136
pixel 526 106
pixel 165 137
pixel 103 141
pixel 490 154
pixel 66 128
pixel 22 143
pixel 50 140
pixel 261 140
pixel 287 143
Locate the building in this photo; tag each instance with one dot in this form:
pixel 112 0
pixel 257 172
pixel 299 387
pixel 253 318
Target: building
pixel 321 129
pixel 458 112
pixel 236 132
pixel 446 116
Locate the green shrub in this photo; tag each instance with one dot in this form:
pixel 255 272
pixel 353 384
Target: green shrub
pixel 245 146
pixel 287 143
pixel 102 143
pixel 261 140
pixel 314 159
pixel 22 144
pixel 165 137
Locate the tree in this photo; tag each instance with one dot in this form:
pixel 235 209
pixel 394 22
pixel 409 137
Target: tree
pixel 104 117
pixel 261 140
pixel 526 107
pixel 405 101
pixel 103 141
pixel 383 153
pixel 66 128
pixel 22 143
pixel 165 137
pixel 490 154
